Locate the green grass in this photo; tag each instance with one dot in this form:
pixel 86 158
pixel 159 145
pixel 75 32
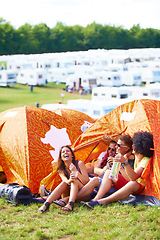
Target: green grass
pixel 119 222
pixel 109 222
pixel 20 95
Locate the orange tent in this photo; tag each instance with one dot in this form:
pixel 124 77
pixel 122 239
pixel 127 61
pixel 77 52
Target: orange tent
pixel 30 138
pixel 77 117
pixel 80 123
pixel 139 115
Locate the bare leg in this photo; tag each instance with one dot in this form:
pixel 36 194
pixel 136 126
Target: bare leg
pixel 55 194
pixel 84 193
pixel 104 187
pixel 65 193
pixel 75 186
pixel 122 193
pixel 77 190
pixel 74 191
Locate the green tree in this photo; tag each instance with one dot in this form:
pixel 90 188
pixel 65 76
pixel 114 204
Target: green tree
pixel 148 38
pixel 8 44
pixel 41 37
pixel 92 36
pixel 26 41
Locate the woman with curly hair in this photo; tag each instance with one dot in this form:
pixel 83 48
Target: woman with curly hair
pixel 74 176
pixel 130 181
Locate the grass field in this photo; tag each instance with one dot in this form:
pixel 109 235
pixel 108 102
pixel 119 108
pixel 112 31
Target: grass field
pixel 112 222
pixel 21 95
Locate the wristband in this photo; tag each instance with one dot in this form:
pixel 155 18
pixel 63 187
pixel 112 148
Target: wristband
pixel 125 164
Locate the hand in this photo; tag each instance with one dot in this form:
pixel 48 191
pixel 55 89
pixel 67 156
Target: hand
pixel 73 176
pixel 110 160
pixel 119 158
pixel 128 154
pixel 105 168
pixel 72 167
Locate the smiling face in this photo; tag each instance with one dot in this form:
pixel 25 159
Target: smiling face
pixel 112 149
pixel 121 147
pixel 66 154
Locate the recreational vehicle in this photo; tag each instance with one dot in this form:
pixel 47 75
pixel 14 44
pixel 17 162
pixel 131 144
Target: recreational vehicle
pixel 131 78
pixel 105 93
pixel 59 75
pixel 109 79
pixel 156 75
pixel 7 78
pixel 94 109
pixel 33 77
pixel 85 81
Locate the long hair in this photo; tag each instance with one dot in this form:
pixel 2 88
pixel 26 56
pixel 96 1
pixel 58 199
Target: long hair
pixel 61 166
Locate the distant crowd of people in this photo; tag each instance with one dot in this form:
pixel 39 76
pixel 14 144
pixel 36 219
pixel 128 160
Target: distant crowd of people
pixel 90 184
pixel 81 90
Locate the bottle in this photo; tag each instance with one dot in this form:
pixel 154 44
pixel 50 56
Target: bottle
pixel 114 171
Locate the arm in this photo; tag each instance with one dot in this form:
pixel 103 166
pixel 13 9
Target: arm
pixel 97 169
pixel 128 172
pixel 133 175
pixel 64 178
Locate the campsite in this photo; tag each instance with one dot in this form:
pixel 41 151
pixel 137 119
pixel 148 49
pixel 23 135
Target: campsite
pixel 115 221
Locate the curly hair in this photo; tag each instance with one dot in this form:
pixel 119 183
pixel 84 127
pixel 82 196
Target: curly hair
pixel 61 166
pixel 143 143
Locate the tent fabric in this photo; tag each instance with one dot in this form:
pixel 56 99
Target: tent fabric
pixel 30 139
pixel 138 115
pixel 76 116
pixel 83 122
pixel 135 200
pixel 52 180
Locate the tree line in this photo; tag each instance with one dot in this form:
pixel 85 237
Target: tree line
pixel 28 39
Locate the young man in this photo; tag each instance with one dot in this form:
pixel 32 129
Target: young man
pixel 130 181
pixel 105 159
pixel 123 146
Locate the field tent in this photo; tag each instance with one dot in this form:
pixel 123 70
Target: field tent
pixel 138 115
pixel 82 120
pixel 30 139
pixel 81 123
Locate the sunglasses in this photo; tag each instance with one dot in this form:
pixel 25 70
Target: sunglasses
pixel 112 149
pixel 119 145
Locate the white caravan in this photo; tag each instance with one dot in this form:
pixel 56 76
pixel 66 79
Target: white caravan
pixel 110 93
pixel 7 78
pixel 94 109
pixel 59 75
pixel 33 77
pixel 131 78
pixel 156 75
pixel 150 75
pixel 86 81
pixel 109 79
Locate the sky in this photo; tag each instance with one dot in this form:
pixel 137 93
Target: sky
pixel 125 13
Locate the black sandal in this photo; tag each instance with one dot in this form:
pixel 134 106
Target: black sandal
pixel 67 209
pixel 46 204
pixel 60 203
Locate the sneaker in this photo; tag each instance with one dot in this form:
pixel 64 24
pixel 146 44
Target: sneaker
pixel 43 191
pixel 91 204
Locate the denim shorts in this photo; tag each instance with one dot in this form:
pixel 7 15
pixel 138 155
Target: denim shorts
pixel 94 193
